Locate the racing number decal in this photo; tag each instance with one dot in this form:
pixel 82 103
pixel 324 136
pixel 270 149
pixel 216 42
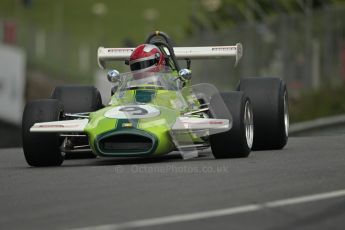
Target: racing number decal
pixel 132 111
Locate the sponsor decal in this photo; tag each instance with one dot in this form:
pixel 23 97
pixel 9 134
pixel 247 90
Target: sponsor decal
pixel 50 126
pixel 224 49
pixel 120 50
pixel 203 122
pixel 216 122
pixel 57 126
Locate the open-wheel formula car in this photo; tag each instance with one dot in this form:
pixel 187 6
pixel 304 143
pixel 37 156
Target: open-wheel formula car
pixel 156 111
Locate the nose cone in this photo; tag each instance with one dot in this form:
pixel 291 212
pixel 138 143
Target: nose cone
pixel 115 135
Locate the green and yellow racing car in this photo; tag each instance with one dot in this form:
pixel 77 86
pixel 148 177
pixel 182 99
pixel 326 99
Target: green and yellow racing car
pixel 154 110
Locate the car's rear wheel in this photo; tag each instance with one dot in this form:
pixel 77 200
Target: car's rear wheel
pixel 41 149
pixel 269 99
pixel 78 99
pixel 236 142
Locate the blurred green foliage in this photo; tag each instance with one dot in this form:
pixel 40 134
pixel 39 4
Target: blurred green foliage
pixel 108 21
pixel 220 14
pixel 320 103
pixel 118 22
pixel 69 25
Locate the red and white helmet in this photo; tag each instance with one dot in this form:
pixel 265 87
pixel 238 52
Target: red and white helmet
pixel 148 58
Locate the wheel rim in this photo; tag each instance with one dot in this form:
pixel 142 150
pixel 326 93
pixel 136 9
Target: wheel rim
pixel 248 124
pixel 286 114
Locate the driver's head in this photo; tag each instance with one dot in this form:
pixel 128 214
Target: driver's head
pixel 147 58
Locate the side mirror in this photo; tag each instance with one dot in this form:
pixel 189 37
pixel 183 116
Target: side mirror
pixel 114 76
pixel 185 74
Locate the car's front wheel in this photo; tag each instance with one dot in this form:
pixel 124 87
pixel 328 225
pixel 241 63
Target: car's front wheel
pixel 41 149
pixel 237 142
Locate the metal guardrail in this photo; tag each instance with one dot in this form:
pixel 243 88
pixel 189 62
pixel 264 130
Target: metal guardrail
pixel 319 123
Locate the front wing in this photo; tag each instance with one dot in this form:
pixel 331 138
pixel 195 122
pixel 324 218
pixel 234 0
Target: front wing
pixel 182 123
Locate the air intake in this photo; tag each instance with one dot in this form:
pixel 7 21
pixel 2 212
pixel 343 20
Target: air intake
pixel 126 143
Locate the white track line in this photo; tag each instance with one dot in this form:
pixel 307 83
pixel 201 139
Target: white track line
pixel 217 213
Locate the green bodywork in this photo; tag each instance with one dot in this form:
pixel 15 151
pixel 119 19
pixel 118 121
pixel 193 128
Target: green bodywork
pixel 170 103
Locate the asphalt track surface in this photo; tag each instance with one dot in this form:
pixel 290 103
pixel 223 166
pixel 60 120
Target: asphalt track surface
pixel 299 187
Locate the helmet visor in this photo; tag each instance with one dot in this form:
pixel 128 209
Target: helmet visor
pixel 143 64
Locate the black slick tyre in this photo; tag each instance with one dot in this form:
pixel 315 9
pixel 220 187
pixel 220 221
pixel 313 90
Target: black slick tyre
pixel 78 99
pixel 269 99
pixel 236 142
pixel 41 149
